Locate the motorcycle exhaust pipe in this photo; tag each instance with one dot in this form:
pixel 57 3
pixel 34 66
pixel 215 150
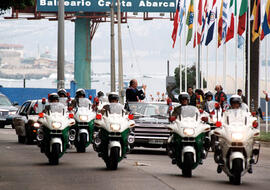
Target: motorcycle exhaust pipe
pixel 72 134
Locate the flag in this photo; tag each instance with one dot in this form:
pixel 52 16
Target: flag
pixel 189 21
pixel 256 28
pixel 220 23
pixel 211 23
pixel 242 17
pixel 199 29
pixel 225 17
pixel 181 15
pixel 175 23
pixel 204 18
pixel 241 41
pixel 266 21
pixel 194 42
pixel 230 32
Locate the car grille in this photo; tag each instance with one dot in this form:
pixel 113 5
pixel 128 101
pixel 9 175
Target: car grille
pixel 3 113
pixel 151 131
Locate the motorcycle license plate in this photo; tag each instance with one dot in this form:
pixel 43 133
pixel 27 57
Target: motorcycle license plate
pixel 154 141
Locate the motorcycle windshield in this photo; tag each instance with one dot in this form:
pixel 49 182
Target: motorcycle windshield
pixel 116 108
pixel 211 105
pixel 236 116
pixel 57 107
pixel 189 112
pixel 63 100
pixel 84 102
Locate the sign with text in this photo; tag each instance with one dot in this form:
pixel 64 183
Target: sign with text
pixel 104 5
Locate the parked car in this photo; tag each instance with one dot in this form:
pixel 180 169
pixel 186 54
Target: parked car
pixel 150 128
pixel 6 109
pixel 25 120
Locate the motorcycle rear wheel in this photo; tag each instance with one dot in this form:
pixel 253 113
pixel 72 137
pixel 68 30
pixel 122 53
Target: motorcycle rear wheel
pixel 237 169
pixel 112 162
pixel 54 157
pixel 187 164
pixel 81 144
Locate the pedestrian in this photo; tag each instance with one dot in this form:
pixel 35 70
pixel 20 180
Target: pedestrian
pixel 199 98
pixel 239 93
pixel 192 96
pixel 163 98
pixel 133 94
pixel 220 96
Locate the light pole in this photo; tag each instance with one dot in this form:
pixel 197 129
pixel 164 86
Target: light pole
pixel 112 50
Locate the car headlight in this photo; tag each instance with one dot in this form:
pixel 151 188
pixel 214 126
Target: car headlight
pixel 56 125
pixel 189 131
pixel 36 125
pixel 115 127
pixel 237 136
pixel 83 117
pixel 12 113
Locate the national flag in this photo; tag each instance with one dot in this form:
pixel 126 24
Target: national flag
pixel 181 14
pixel 256 28
pixel 199 29
pixel 242 17
pixel 204 18
pixel 225 13
pixel 220 23
pixel 189 21
pixel 230 32
pixel 266 21
pixel 241 41
pixel 175 23
pixel 211 22
pixel 194 42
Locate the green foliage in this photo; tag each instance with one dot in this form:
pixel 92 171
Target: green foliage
pixel 21 4
pixel 191 77
pixel 264 137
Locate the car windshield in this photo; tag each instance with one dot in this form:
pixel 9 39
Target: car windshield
pixel 189 111
pixel 4 101
pixel 149 109
pixel 116 108
pixel 84 102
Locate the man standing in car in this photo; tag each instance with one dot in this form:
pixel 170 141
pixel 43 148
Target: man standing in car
pixel 133 94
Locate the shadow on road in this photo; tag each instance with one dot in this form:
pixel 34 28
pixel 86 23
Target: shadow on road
pixel 149 151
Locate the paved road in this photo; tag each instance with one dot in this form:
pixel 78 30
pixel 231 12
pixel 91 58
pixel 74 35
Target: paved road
pixel 24 167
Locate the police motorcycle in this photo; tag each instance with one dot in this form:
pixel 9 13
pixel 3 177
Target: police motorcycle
pixel 114 136
pixel 236 151
pixel 186 145
pixel 53 135
pixel 81 134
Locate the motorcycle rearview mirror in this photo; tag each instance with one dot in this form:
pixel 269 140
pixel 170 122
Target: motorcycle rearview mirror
pixel 218 124
pixel 201 111
pixel 71 116
pixel 98 116
pixel 217 106
pixel 205 119
pixel 43 101
pixel 172 118
pixel 130 116
pixel 255 124
pixel 41 115
pixel 90 97
pixel 70 108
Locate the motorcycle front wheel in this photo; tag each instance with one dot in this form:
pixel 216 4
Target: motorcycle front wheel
pixel 237 169
pixel 81 144
pixel 187 164
pixel 54 157
pixel 112 162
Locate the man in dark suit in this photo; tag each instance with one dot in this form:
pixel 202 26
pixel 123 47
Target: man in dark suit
pixel 133 94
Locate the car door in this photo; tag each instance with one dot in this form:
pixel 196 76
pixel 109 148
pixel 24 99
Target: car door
pixel 21 119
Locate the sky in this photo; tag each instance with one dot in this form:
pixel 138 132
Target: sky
pixel 147 45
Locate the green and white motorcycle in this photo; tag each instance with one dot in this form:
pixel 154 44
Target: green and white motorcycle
pixel 114 137
pixel 81 134
pixel 53 134
pixel 187 146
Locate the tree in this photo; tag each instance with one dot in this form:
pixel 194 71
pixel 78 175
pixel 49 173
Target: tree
pixel 191 77
pixel 22 4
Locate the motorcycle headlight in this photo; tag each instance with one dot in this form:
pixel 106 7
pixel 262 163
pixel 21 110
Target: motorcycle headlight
pixel 189 131
pixel 56 125
pixel 115 127
pixel 12 113
pixel 83 117
pixel 237 136
pixel 36 125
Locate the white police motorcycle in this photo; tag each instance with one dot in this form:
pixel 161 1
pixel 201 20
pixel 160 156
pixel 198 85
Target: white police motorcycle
pixel 114 136
pixel 236 149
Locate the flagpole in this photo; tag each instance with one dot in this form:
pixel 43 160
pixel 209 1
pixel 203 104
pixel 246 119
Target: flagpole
pixel 207 76
pixel 185 28
pixel 180 66
pixel 249 34
pixel 216 80
pixel 196 49
pixel 224 67
pixel 266 84
pixel 201 66
pixel 236 41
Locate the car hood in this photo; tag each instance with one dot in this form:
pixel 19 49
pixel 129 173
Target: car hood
pixel 8 108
